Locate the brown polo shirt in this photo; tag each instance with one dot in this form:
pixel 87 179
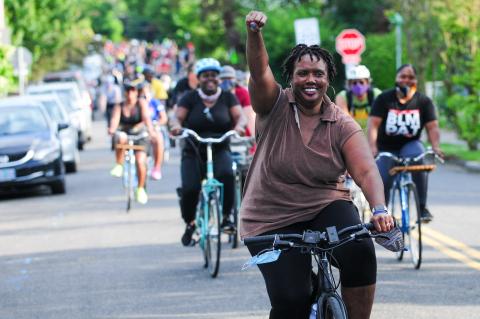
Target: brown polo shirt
pixel 288 181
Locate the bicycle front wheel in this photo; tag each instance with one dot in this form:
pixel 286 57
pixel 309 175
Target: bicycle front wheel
pixel 331 307
pixel 212 239
pixel 233 237
pixel 414 227
pixel 395 208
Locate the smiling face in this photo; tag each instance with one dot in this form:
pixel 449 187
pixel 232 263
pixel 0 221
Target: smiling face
pixel 309 81
pixel 208 81
pixel 406 77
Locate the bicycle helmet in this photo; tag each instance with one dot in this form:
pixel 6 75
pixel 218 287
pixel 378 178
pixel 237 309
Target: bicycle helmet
pixel 207 64
pixel 228 72
pixel 358 72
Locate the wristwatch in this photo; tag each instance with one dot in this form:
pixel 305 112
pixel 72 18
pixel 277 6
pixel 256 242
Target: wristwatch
pixel 379 209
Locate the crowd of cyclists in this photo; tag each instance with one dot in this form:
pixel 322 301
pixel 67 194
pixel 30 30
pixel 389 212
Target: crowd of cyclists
pixel 305 144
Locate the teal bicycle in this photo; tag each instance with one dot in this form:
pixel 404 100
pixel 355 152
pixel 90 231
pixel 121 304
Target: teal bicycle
pixel 210 205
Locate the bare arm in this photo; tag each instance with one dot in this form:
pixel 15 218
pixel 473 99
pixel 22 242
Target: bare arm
pixel 372 131
pixel 239 119
pixel 163 119
pixel 115 120
pixel 181 113
pixel 250 114
pixel 342 103
pixel 262 85
pixel 433 133
pixel 364 171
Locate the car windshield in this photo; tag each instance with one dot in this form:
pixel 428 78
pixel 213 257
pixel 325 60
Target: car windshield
pixel 54 111
pixel 22 119
pixel 67 96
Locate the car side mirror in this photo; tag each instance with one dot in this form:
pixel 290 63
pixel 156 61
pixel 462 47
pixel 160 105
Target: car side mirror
pixel 62 126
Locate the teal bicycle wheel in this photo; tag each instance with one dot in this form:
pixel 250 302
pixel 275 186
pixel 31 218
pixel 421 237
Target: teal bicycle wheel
pixel 212 237
pixel 414 234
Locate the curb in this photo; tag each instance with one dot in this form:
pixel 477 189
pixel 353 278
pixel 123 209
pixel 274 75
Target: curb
pixel 470 166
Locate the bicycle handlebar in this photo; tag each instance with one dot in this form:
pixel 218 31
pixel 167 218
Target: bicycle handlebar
pixel 406 160
pixel 318 237
pixel 209 140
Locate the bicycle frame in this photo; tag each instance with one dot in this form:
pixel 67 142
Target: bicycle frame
pixel 400 182
pixel 209 185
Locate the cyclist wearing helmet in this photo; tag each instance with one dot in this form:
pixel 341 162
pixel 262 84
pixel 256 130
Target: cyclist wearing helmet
pixel 131 117
pixel 211 112
pixel 157 87
pixel 357 99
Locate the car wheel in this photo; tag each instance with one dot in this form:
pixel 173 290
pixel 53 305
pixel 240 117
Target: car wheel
pixel 71 167
pixel 58 187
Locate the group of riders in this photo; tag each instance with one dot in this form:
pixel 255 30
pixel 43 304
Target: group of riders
pixel 305 144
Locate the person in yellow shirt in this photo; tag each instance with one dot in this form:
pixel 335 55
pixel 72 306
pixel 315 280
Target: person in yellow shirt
pixel 357 99
pixel 158 90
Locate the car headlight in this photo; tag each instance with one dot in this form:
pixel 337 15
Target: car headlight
pixel 46 151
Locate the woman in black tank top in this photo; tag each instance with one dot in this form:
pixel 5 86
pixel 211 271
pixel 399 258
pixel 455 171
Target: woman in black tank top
pixel 132 118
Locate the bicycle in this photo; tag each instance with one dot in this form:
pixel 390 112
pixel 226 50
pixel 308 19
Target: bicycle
pixel 329 303
pixel 358 199
pixel 404 203
pixel 241 162
pixel 209 211
pixel 130 180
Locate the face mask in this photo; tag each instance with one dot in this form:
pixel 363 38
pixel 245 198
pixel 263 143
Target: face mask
pixel 359 89
pixel 227 85
pixel 403 90
pixel 268 256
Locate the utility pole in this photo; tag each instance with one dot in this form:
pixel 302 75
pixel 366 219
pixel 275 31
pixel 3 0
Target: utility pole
pixel 397 20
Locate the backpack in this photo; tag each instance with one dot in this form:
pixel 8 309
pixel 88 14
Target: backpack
pixel 351 107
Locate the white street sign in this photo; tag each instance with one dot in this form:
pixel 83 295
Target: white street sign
pixel 307 31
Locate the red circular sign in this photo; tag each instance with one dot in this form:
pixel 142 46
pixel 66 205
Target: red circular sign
pixel 350 44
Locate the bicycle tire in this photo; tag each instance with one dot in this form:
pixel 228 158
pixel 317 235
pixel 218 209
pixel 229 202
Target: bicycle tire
pixel 129 185
pixel 213 237
pixel 331 307
pixel 414 229
pixel 395 208
pixel 234 237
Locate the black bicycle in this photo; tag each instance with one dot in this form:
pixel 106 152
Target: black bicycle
pixel 329 303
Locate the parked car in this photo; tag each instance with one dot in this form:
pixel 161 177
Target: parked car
pixel 30 149
pixel 80 113
pixel 72 76
pixel 69 136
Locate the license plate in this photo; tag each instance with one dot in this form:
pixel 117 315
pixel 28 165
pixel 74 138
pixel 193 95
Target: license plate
pixel 7 174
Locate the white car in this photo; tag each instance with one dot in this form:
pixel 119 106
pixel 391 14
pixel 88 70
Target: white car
pixel 68 136
pixel 79 110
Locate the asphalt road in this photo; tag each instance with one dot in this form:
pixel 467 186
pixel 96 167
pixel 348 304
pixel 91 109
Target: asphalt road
pixel 80 255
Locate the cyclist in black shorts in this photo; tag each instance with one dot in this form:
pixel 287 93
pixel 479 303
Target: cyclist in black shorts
pixel 305 144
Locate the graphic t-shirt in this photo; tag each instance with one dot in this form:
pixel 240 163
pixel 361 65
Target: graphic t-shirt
pixel 401 123
pixel 209 122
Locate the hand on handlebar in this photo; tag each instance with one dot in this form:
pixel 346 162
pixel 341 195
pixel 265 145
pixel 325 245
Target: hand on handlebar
pixel 383 222
pixel 240 130
pixel 439 152
pixel 255 20
pixel 176 130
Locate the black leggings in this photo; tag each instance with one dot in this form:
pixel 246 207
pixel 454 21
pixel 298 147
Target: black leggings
pixel 194 170
pixel 289 279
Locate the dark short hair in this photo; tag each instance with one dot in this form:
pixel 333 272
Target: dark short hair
pixel 406 65
pixel 313 51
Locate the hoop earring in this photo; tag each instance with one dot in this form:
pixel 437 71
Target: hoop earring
pixel 333 89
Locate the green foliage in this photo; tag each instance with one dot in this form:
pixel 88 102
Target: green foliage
pixel 46 27
pixel 104 17
pixel 8 82
pixel 465 105
pixel 379 57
